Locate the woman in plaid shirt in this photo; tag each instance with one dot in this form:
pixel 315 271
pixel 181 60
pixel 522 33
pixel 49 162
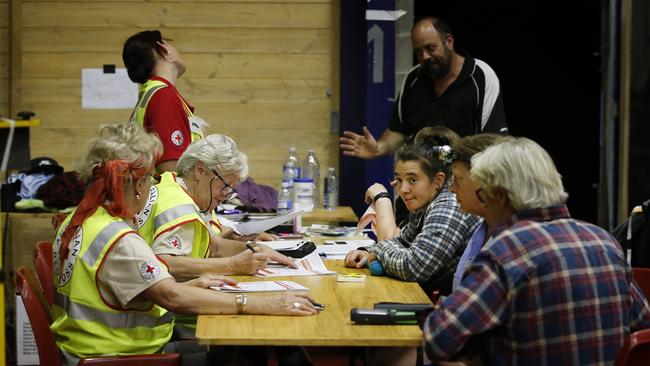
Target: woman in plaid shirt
pixel 429 246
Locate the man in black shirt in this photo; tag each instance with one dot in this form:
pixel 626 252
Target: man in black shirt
pixel 445 88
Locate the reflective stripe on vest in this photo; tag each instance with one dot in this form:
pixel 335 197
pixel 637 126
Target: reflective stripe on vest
pixel 149 93
pixel 95 249
pixel 173 213
pixel 125 319
pixel 147 90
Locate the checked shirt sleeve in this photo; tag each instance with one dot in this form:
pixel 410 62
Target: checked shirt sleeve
pixel 640 310
pixel 444 232
pixel 478 305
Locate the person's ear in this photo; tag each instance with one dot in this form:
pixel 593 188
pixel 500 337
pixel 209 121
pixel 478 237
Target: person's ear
pixel 502 196
pixel 439 179
pixel 449 40
pixel 198 170
pixel 165 52
pixel 141 184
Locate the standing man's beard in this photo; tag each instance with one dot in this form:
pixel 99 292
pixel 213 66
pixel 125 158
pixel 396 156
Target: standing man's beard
pixel 438 67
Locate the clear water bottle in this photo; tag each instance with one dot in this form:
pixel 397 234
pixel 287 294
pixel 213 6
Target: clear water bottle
pixel 291 166
pixel 285 198
pixel 331 195
pixel 311 169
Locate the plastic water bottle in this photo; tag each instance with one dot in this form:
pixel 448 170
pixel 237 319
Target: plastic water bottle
pixel 311 169
pixel 285 198
pixel 331 196
pixel 303 194
pixel 291 166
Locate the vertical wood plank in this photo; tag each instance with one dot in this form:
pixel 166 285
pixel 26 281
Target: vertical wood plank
pixel 15 64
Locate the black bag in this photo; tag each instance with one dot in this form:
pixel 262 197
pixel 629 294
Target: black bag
pixel 634 235
pixel 305 248
pixel 9 196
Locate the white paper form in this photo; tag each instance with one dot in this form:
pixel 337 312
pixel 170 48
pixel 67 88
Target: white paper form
pixel 337 249
pixel 258 226
pixel 309 265
pixel 261 286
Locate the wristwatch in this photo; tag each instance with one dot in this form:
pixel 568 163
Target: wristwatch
pixel 381 195
pixel 241 300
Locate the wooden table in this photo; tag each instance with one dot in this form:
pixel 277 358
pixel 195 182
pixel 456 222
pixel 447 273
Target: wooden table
pixel 331 327
pixel 321 215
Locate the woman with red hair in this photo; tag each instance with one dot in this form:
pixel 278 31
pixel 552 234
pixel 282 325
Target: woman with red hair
pixel 112 292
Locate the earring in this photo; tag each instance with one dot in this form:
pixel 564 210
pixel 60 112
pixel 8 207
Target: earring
pixel 137 196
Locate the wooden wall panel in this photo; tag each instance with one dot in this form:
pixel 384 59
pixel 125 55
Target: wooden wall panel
pixel 4 58
pixel 258 71
pixel 212 65
pixel 175 14
pixel 202 40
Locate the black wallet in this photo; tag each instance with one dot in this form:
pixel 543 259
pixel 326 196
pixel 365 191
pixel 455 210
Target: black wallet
pixel 305 248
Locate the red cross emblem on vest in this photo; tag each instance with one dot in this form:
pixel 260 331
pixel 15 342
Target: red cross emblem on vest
pixel 177 138
pixel 149 270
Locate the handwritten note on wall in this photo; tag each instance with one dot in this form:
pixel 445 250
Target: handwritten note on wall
pixel 101 90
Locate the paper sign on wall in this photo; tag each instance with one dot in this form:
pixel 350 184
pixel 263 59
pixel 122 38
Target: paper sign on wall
pixel 101 90
pixel 26 351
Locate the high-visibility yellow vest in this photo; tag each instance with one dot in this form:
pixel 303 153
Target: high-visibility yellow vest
pixel 84 324
pixel 168 206
pixel 146 91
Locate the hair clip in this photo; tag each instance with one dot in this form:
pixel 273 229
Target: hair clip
pixel 445 153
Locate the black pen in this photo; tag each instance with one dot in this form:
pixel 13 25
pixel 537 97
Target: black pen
pixel 318 306
pixel 249 246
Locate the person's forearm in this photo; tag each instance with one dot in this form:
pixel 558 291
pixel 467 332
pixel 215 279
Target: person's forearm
pixel 184 299
pixel 389 142
pixel 385 219
pixel 227 247
pixel 185 268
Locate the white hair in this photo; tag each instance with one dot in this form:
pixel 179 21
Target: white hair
pixel 524 169
pixel 217 152
pixel 128 142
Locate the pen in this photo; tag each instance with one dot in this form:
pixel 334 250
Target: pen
pixel 318 306
pixel 249 246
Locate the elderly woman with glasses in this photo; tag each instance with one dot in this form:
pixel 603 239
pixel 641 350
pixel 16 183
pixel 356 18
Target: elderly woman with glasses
pixel 178 219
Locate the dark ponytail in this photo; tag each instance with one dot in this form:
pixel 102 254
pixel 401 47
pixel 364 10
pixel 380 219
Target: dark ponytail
pixel 139 55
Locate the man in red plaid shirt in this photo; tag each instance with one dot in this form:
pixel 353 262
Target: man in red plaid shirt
pixel 546 289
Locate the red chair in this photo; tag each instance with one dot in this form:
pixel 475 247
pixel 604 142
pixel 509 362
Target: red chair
pixel 40 317
pixel 43 264
pixel 636 350
pixel 642 277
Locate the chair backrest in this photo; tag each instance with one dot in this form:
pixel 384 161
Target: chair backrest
pixel 43 264
pixel 642 277
pixel 38 312
pixel 636 350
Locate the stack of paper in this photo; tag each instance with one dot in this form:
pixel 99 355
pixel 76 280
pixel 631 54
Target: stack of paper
pixel 261 286
pixel 309 265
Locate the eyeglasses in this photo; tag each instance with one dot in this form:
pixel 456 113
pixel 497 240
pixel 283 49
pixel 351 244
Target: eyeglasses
pixel 227 191
pixel 479 196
